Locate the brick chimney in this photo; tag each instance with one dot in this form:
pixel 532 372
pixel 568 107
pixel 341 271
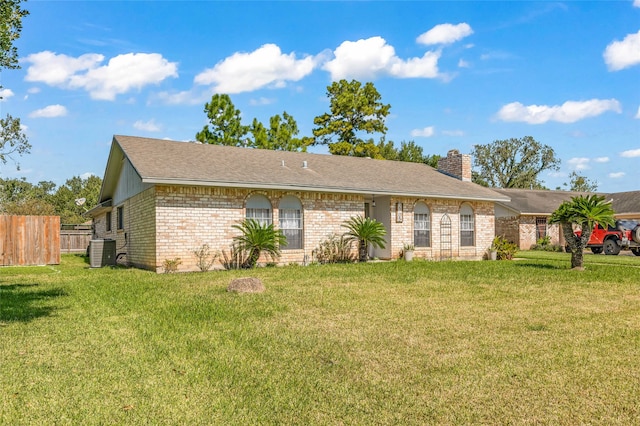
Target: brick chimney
pixel 456 165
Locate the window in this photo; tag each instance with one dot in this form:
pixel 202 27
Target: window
pixel 541 227
pixel 467 226
pixel 290 213
pixel 121 217
pixel 259 208
pixel 108 224
pixel 421 226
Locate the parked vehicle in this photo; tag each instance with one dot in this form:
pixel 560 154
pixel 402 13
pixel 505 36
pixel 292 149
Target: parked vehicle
pixel 625 235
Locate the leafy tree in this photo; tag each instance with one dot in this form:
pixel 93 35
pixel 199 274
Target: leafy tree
pixel 366 231
pixel 75 188
pixel 280 135
pixel 354 108
pixel 580 183
pixel 361 148
pixel 514 163
pixel 12 140
pixel 583 212
pixel 257 238
pixel 17 196
pixel 225 123
pixel 11 15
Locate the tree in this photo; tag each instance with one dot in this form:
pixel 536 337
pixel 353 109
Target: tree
pixel 354 108
pixel 280 136
pixel 11 15
pixel 514 163
pixel 583 212
pixel 580 183
pixel 225 123
pixel 65 197
pixel 19 197
pixel 366 231
pixel 257 238
pixel 12 140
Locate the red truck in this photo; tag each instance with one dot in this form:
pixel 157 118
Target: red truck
pixel 625 235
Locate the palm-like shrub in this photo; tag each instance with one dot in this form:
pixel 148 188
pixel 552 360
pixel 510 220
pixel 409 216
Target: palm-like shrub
pixel 585 212
pixel 257 238
pixel 334 249
pixel 366 231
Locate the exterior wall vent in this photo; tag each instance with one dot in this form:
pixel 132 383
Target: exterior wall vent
pixel 304 164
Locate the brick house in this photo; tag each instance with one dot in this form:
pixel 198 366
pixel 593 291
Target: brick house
pixel 163 199
pixel 525 218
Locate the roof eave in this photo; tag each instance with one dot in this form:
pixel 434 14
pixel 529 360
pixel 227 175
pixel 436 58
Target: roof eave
pixel 343 190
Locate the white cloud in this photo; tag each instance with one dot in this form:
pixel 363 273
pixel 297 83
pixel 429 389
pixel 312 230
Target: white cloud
pixel 33 90
pixel 50 111
pixel 368 58
pixel 87 175
pixel 148 126
pixel 601 159
pixel 569 112
pixel 632 153
pixel 424 133
pixel 120 75
pixel 623 54
pixel 453 132
pixel 245 72
pixel 579 163
pixel 463 64
pixel 636 3
pixel 5 94
pixel 638 113
pixel 445 34
pixel 616 175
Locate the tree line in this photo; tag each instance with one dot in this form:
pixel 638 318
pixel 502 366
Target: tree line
pixel 356 111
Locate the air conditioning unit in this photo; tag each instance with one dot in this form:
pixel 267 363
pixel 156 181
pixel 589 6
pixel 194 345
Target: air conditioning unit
pixel 102 253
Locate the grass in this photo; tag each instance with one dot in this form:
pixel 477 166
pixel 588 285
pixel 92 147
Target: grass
pixel 521 342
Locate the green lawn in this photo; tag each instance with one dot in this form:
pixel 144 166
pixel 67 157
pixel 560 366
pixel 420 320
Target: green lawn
pixel 521 342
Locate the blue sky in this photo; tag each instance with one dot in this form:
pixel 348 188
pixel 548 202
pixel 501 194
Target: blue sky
pixel 455 73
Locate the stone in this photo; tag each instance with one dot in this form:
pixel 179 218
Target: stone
pixel 246 285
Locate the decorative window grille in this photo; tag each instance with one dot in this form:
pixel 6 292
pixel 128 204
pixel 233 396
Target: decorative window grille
pixel 421 226
pixel 467 226
pixel 446 251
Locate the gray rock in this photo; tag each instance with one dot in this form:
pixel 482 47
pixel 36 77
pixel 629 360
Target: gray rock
pixel 246 285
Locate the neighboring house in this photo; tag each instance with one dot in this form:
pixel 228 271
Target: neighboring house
pixel 525 219
pixel 626 204
pixel 162 199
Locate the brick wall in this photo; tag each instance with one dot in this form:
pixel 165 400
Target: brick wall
pixel 402 233
pixel 167 222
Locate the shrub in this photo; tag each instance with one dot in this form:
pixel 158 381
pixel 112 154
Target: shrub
pixel 171 265
pixel 205 258
pixel 365 231
pixel 505 249
pixel 334 249
pixel 258 238
pixel 237 258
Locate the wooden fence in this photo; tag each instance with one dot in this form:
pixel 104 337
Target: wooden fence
pixel 29 240
pixel 75 238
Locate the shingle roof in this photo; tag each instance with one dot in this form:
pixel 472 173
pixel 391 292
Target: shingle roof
pixel 544 202
pixel 169 162
pixel 625 202
pixel 536 201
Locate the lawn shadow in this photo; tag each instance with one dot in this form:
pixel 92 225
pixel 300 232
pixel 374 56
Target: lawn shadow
pixel 21 303
pixel 538 266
